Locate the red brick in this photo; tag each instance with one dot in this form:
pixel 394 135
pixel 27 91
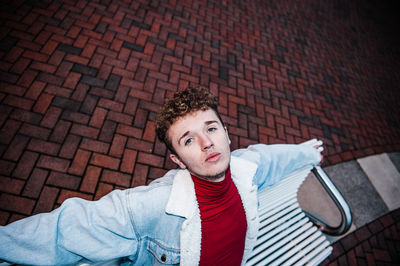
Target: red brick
pixel 20 66
pixel 34 131
pixel 16 204
pixel 79 163
pixel 64 70
pixel 63 180
pixel 49 47
pixel 118 144
pixel 53 163
pixel 105 161
pixel 140 145
pixel 386 220
pixel 66 194
pixel 25 164
pixel 103 190
pixel 72 80
pixel 11 185
pixel 120 118
pixel 88 50
pixel 77 59
pixel 27 78
pixel 150 159
pixel 116 178
pixel 46 200
pixel 35 183
pixel 14 54
pixel 51 117
pixel 76 117
pixel 51 69
pixel 70 146
pixel 42 146
pixel 141 95
pixel 84 131
pixel 56 57
pixel 8 131
pixel 12 89
pixel 36 56
pixel 128 161
pixel 140 118
pixel 4 217
pixel 97 119
pixel 90 179
pixel 18 102
pixel 94 145
pixel 6 167
pixel 129 131
pixel 140 175
pixel 25 116
pixel 58 91
pixel 112 105
pixel 150 131
pixel 16 148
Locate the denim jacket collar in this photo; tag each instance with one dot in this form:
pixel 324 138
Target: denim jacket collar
pixel 182 202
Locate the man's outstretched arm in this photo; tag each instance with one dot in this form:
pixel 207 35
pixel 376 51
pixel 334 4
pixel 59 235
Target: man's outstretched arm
pixel 277 160
pixel 93 230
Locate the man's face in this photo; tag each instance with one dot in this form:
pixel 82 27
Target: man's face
pixel 201 144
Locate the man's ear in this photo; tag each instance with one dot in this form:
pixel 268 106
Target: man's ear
pixel 176 160
pixel 226 132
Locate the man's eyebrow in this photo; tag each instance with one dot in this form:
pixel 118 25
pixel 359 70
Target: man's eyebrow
pixel 210 122
pixel 188 132
pixel 184 135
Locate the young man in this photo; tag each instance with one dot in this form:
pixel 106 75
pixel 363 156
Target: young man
pixel 203 213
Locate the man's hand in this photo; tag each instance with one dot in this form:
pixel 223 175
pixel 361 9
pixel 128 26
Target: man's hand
pixel 317 144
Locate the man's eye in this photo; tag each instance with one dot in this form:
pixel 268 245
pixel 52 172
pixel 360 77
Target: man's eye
pixel 188 141
pixel 211 129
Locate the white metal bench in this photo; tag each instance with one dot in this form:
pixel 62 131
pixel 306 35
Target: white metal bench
pixel 288 235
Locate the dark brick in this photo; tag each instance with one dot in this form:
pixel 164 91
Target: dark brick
pixel 79 163
pixel 113 82
pixel 69 49
pixel 35 183
pixel 46 200
pixel 92 81
pixel 105 161
pixel 116 178
pixel 63 180
pixel 133 46
pixel 16 204
pixel 85 70
pixel 10 185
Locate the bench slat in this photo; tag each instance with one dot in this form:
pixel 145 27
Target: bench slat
pixel 286 236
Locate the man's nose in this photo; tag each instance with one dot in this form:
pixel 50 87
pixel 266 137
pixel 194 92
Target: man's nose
pixel 206 142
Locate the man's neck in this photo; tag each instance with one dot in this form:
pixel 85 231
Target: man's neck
pixel 218 178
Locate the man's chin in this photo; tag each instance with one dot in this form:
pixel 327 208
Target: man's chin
pixel 212 176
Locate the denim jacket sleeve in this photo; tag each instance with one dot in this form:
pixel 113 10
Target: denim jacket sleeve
pixel 77 229
pixel 278 160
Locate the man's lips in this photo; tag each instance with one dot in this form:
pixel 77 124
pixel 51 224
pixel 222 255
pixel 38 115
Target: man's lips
pixel 212 157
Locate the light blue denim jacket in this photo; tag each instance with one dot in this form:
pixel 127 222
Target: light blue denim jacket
pixel 157 224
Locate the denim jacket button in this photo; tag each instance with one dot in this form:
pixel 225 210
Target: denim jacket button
pixel 163 258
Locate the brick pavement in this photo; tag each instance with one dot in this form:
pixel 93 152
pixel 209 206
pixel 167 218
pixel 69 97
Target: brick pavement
pixel 377 243
pixel 81 82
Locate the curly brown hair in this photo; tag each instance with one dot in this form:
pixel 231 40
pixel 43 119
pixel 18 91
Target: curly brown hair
pixel 182 103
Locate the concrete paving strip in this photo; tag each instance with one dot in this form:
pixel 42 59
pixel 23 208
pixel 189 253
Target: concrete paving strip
pixel 384 176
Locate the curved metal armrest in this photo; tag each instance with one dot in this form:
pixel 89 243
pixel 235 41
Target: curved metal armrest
pixel 346 217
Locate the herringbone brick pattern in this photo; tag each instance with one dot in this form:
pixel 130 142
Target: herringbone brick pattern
pixel 377 243
pixel 81 82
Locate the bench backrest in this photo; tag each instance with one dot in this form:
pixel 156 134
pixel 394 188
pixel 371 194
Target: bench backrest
pixel 286 236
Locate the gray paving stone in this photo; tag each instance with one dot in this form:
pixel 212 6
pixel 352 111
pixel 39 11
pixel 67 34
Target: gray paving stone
pixel 365 203
pixel 384 177
pixel 395 157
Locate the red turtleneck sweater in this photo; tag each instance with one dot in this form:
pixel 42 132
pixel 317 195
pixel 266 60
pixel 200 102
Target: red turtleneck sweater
pixel 223 221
